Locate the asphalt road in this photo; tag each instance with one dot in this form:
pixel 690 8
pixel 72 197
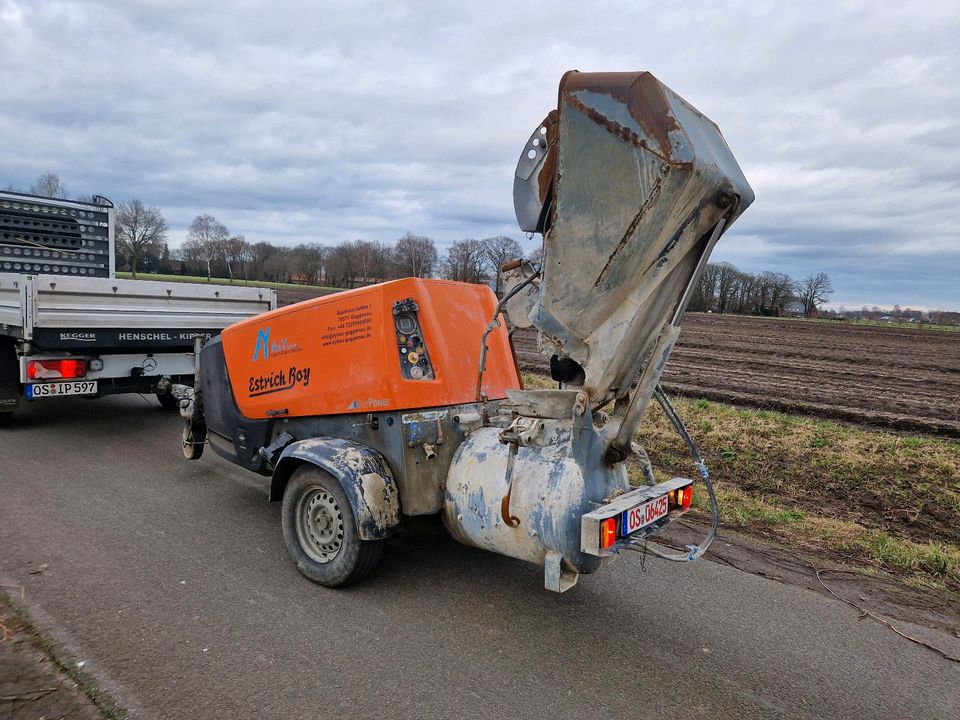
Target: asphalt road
pixel 171 581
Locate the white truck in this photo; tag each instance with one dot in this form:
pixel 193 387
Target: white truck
pixel 68 326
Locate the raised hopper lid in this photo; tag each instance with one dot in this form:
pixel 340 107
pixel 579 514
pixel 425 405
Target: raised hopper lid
pixel 626 180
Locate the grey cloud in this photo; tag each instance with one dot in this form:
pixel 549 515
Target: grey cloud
pixel 296 121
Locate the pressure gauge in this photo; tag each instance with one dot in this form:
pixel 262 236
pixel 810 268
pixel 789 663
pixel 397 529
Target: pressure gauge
pixel 406 324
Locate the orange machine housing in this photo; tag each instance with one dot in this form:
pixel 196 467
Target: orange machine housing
pixel 405 344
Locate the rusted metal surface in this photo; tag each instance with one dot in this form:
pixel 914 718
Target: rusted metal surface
pixel 631 187
pixel 630 105
pixel 525 498
pixel 641 178
pixel 400 438
pixel 363 473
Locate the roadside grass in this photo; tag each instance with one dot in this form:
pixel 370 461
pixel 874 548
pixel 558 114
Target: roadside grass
pixel 932 564
pixel 320 289
pixel 865 497
pixel 62 661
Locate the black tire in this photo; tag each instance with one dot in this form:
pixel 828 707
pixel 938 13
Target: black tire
pixel 10 389
pixel 193 441
pixel 327 549
pixel 168 401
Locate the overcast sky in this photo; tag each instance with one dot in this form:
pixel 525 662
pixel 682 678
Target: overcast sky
pixel 315 121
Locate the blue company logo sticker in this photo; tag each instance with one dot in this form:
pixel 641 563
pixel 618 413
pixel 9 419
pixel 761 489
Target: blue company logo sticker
pixel 265 348
pixel 263 343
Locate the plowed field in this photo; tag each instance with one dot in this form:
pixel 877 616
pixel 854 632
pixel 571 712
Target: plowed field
pixel 901 378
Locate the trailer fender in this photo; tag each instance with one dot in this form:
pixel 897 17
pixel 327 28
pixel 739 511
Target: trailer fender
pixel 363 473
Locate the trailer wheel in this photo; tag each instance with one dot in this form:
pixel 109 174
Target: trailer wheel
pixel 320 530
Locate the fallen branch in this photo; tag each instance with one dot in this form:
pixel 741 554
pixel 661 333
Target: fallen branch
pixel 866 613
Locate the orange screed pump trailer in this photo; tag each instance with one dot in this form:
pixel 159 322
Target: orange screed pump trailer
pixel 403 399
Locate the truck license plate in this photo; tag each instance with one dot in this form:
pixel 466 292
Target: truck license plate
pixel 57 389
pixel 642 515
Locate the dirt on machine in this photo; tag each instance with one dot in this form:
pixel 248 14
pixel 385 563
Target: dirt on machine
pixel 404 399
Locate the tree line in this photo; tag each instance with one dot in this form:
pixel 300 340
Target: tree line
pixel 725 289
pixel 211 250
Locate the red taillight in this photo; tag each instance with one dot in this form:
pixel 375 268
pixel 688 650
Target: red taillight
pixel 608 532
pixel 56 369
pixel 685 496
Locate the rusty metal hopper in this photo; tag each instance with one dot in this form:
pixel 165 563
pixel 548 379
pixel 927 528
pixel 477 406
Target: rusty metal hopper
pixel 628 182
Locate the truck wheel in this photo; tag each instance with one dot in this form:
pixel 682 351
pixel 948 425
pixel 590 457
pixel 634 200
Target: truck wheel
pixel 9 381
pixel 168 401
pixel 192 441
pixel 321 533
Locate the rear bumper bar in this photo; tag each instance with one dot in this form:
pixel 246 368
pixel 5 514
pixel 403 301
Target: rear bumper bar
pixel 590 523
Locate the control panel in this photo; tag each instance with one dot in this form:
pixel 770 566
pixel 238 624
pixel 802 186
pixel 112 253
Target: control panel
pixel 414 361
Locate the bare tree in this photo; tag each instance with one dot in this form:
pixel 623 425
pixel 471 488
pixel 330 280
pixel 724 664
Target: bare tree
pixel 744 294
pixel 49 185
pixel 259 253
pixel 497 251
pixel 780 288
pixel 416 256
pixel 204 240
pixel 726 285
pixel 536 257
pixel 341 266
pixel 705 293
pixel 139 230
pixel 277 265
pixel 384 261
pixel 315 261
pixel 364 258
pixel 234 251
pixel 309 261
pixel 814 290
pixel 466 261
